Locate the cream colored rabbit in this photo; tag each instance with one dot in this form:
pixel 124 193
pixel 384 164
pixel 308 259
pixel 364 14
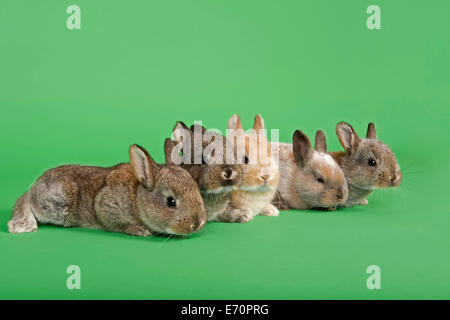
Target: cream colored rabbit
pixel 309 179
pixel 260 173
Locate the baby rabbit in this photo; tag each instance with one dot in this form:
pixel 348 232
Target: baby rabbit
pixel 367 163
pixel 309 179
pixel 139 198
pixel 215 170
pixel 260 172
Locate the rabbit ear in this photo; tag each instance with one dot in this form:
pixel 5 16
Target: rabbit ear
pixel 302 148
pixel 196 126
pixel 321 142
pixel 235 122
pixel 371 132
pixel 143 166
pixel 347 136
pixel 169 145
pixel 259 123
pixel 181 131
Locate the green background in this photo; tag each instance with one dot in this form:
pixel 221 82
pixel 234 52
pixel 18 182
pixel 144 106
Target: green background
pixel 134 68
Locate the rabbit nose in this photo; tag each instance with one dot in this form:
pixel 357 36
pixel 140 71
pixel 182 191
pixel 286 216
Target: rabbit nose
pixel 228 173
pixel 265 177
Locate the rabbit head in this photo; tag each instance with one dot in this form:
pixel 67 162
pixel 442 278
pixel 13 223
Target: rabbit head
pixel 207 155
pixel 320 182
pixel 167 198
pixel 254 153
pixel 367 163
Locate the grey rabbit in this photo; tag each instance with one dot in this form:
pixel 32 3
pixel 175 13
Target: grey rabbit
pixel 367 163
pixel 139 198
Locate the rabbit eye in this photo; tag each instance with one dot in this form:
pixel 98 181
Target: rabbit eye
pixel 171 202
pixel 320 180
pixel 372 163
pixel 246 160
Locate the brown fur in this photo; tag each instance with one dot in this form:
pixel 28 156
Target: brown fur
pixel 260 175
pixel 362 178
pixel 129 198
pixel 217 179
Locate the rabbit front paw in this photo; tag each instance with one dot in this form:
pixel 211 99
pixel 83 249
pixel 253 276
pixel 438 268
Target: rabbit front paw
pixel 270 210
pixel 137 231
pixel 364 202
pixel 236 215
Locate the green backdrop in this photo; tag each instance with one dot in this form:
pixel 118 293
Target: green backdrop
pixel 134 68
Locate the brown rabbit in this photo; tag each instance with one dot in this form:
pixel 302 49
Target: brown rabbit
pixel 138 198
pixel 215 170
pixel 368 163
pixel 309 179
pixel 260 173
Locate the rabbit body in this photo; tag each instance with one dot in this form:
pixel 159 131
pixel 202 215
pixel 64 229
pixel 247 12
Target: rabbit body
pixel 260 173
pixel 367 163
pixel 309 179
pixel 216 177
pixel 129 198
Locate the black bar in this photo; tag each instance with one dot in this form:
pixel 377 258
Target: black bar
pixel 227 309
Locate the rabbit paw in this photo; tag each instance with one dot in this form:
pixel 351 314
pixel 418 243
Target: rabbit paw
pixel 279 202
pixel 364 202
pixel 22 225
pixel 270 210
pixel 236 215
pixel 137 231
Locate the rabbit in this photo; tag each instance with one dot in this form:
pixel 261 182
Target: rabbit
pixel 139 198
pixel 368 163
pixel 309 179
pixel 216 177
pixel 259 169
